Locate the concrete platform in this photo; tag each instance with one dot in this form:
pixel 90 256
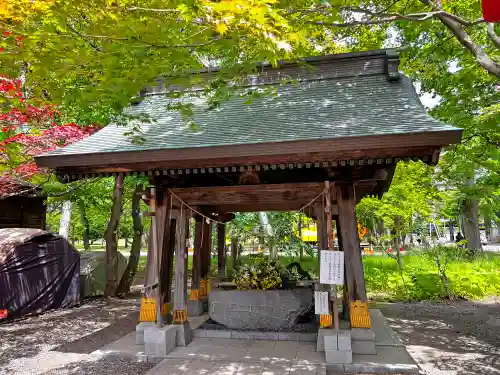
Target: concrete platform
pixel 266 357
pixel 127 348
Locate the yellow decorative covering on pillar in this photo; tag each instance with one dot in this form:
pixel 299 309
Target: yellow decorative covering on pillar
pixel 180 316
pixel 360 316
pixel 325 321
pixel 194 295
pixel 148 309
pixel 203 288
pixel 209 286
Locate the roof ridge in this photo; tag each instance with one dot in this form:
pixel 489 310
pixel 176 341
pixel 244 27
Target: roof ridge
pixel 389 66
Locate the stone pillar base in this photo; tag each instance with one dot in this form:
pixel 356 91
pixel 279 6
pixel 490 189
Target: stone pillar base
pixel 363 341
pixel 322 333
pixel 338 347
pixel 184 334
pixel 195 308
pixel 159 342
pixel 139 331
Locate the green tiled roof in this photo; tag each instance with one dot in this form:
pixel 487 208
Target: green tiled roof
pixel 359 105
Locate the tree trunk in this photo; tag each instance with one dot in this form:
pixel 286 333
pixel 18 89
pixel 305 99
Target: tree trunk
pixel 126 241
pixel 135 251
pixel 269 232
pixel 487 226
pixel 111 238
pixel 85 223
pixel 299 227
pixel 65 221
pixel 221 250
pixel 234 252
pixel 470 212
pixel 398 222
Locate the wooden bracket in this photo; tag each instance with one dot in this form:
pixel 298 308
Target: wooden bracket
pixel 194 295
pixel 180 316
pixel 325 320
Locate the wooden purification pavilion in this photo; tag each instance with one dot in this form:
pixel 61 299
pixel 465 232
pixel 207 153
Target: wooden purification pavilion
pixel 346 119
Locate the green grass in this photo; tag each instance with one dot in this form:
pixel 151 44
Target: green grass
pixel 471 278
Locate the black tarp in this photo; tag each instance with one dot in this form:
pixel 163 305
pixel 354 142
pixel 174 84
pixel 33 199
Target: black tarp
pixel 38 271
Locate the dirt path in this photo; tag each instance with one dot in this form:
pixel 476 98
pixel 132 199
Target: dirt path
pixel 445 339
pixel 449 339
pixel 60 342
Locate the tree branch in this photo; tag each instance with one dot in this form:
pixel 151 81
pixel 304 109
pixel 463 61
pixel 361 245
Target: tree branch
pixel 391 16
pixel 453 22
pixel 157 10
pixel 94 46
pixel 465 40
pixel 493 36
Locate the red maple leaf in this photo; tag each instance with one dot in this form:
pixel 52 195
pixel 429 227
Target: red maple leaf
pixel 44 135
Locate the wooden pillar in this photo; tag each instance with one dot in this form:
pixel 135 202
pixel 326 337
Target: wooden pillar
pixel 319 212
pixel 197 255
pixel 205 257
pixel 348 235
pixel 161 224
pixel 181 258
pixel 151 276
pixel 322 233
pixel 345 298
pixel 168 266
pixel 221 250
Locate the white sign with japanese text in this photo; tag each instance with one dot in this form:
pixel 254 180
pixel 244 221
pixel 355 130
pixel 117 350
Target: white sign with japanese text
pixel 331 267
pixel 321 303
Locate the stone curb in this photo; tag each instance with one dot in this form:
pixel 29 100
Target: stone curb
pixel 256 335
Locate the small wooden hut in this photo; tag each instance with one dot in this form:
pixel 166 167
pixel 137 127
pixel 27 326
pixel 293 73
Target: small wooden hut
pixel 346 119
pixel 21 206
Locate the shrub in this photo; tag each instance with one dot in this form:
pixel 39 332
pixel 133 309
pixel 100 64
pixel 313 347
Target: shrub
pixel 263 274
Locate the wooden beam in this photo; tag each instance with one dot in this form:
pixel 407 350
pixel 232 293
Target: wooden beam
pixel 221 250
pixel 181 255
pixel 256 207
pixel 346 202
pixel 301 193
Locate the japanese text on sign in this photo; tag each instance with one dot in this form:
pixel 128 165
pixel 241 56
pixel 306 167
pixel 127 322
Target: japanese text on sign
pixel 332 267
pixel 321 303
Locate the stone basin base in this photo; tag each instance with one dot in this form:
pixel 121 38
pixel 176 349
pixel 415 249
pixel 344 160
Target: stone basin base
pixel 271 310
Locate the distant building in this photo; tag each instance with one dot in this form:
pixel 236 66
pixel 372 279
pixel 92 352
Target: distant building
pixel 21 205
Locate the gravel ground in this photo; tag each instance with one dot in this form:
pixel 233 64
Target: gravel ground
pixel 60 342
pixel 461 338
pixel 449 338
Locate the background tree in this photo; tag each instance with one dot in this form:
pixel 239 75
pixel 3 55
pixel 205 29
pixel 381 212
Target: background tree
pixel 78 58
pixel 408 202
